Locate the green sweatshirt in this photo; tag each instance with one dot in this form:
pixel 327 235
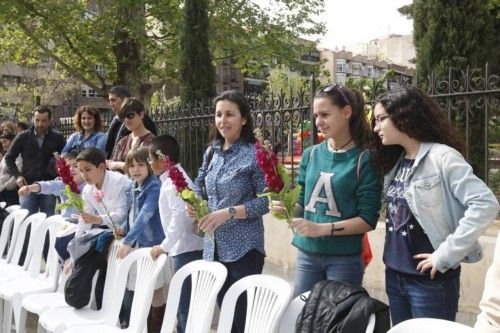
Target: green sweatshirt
pixel 332 191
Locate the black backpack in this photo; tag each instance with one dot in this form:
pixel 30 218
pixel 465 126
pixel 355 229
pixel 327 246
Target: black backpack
pixel 334 306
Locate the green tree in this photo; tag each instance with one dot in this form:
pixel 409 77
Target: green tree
pixel 455 35
pixel 137 42
pixel 279 83
pixel 197 70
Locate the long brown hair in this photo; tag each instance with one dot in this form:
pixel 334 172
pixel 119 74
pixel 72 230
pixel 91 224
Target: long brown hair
pixel 416 114
pixel 342 97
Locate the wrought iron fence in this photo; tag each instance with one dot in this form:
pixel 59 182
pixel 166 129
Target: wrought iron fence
pixel 470 98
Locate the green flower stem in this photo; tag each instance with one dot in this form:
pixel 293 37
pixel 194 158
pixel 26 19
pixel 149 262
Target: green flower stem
pixel 115 228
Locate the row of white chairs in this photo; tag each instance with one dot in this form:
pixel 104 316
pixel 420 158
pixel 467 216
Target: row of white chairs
pixel 24 289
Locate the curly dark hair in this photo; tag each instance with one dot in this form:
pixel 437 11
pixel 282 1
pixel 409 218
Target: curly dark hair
pixel 416 114
pixel 91 110
pixel 342 97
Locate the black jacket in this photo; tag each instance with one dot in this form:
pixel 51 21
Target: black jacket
pixel 339 307
pixel 116 131
pixel 38 162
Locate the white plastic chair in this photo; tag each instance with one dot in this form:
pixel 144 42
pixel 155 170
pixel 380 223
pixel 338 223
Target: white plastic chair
pixel 36 280
pixel 291 313
pixel 148 270
pixel 12 208
pixel 267 298
pixel 294 308
pixel 10 229
pixel 59 319
pixel 10 267
pixel 430 325
pixel 207 279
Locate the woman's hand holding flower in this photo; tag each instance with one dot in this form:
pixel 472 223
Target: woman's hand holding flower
pixel 213 220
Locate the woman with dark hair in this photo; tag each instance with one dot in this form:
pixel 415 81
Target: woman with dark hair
pixel 340 196
pixel 232 179
pixel 132 114
pixel 88 124
pixel 436 207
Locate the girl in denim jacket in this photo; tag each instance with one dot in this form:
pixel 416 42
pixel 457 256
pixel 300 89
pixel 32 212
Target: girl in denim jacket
pixel 144 227
pixel 436 207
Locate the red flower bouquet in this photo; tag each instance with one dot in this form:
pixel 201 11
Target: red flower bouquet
pixel 71 190
pixel 278 182
pixel 186 194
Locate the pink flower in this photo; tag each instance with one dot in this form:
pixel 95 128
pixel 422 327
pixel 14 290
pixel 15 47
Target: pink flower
pixel 98 195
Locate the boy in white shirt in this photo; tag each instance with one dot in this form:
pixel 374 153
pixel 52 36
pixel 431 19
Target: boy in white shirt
pixel 111 208
pixel 181 242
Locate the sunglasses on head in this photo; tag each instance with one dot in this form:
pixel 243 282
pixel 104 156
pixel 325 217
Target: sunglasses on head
pixel 129 115
pixel 338 89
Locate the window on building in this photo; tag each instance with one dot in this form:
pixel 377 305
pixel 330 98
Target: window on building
pixel 89 92
pixel 341 66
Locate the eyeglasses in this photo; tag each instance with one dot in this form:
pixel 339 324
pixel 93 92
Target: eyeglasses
pixel 339 89
pixel 379 120
pixel 129 115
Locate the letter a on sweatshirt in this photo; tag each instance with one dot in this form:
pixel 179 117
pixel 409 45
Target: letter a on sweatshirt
pixel 324 182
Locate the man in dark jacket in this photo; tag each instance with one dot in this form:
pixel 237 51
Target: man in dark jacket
pixel 36 146
pixel 117 130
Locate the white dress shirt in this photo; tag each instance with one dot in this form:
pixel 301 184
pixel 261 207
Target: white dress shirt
pixel 178 227
pixel 114 200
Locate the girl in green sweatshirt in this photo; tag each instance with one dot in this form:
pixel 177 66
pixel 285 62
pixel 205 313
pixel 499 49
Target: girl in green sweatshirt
pixel 340 198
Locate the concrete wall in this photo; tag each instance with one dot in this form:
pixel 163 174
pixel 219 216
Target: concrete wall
pixel 281 254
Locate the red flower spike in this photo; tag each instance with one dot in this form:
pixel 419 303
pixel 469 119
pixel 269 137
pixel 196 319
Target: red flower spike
pixel 63 170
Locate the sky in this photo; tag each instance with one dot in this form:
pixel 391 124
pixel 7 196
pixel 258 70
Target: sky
pixel 357 21
pixel 354 21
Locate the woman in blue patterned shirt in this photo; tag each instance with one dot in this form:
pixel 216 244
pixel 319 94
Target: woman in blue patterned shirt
pixel 232 180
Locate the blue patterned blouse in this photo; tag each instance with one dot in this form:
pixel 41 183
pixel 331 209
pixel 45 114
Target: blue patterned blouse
pixel 233 178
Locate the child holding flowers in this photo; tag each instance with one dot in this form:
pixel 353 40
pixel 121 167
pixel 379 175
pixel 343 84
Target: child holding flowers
pixel 111 209
pixel 57 186
pixel 69 175
pixel 232 180
pixel 181 242
pixel 340 195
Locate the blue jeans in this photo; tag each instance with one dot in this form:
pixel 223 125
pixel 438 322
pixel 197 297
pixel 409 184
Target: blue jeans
pixel 313 268
pixel 34 202
pixel 183 310
pixel 418 297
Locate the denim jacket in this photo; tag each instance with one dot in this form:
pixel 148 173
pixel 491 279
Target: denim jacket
pixel 452 205
pixel 146 229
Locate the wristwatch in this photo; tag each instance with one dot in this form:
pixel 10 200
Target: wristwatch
pixel 232 212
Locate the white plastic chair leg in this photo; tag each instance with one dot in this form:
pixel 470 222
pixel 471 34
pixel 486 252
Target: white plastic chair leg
pixel 1 315
pixel 20 315
pixel 7 317
pixel 40 329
